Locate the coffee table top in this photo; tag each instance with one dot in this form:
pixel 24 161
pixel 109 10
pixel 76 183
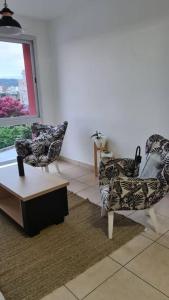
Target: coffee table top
pixel 35 182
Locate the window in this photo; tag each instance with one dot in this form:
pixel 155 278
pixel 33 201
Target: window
pixel 18 86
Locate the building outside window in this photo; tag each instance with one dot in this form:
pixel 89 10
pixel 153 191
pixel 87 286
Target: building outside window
pixel 18 88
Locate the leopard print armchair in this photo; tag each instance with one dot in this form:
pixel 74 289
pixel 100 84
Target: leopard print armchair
pixel 122 190
pixel 45 146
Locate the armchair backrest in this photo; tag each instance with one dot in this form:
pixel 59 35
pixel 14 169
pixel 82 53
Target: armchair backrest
pixel 51 136
pixel 158 146
pixel 58 134
pixel 47 142
pixel 157 143
pixel 38 129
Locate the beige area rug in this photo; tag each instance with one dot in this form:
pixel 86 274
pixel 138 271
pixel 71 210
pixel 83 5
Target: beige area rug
pixel 31 268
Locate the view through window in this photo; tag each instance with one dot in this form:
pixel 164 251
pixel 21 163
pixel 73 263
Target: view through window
pixel 17 90
pixel 18 93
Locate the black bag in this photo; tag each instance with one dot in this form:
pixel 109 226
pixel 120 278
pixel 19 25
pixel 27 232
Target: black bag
pixel 138 156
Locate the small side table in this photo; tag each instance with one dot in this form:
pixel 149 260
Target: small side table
pixel 107 154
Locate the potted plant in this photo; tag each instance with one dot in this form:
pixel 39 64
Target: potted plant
pixel 99 139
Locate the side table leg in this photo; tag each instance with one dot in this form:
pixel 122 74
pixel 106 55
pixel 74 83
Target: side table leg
pixel 95 160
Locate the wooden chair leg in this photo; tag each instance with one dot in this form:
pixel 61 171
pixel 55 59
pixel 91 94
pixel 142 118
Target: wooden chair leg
pixel 110 224
pixel 153 217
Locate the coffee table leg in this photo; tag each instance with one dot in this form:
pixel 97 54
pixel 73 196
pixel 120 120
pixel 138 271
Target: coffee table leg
pixel 59 220
pixel 44 210
pixel 31 233
pixel 29 218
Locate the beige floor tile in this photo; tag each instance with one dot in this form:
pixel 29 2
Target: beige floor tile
pixel 76 186
pixel 152 235
pixel 93 194
pixel 140 217
pixel 60 294
pixel 62 166
pixel 152 265
pixel 63 294
pixel 125 213
pixel 164 240
pixel 125 286
pixel 75 172
pixel 89 280
pixel 89 179
pixel 131 249
pixel 162 207
pixel 49 297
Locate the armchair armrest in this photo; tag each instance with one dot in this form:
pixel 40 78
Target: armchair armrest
pixel 133 193
pixel 54 150
pixel 23 147
pixel 111 168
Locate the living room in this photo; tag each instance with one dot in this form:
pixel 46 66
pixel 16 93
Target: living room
pixel 101 66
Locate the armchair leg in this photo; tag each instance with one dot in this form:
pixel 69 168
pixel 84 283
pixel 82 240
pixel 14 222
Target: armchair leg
pixel 147 213
pixel 57 166
pixel 153 217
pixel 110 224
pixel 47 169
pixel 103 212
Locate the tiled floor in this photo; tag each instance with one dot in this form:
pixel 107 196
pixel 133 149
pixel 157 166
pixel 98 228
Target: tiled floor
pixel 138 270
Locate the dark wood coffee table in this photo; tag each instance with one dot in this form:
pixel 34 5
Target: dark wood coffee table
pixel 34 201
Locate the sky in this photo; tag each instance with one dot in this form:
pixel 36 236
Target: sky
pixel 11 60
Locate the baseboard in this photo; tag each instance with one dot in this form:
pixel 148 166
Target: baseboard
pixel 77 163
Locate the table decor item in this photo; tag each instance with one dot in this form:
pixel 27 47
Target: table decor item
pixel 99 139
pixel 20 165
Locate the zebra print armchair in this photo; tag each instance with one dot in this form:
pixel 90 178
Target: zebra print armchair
pixel 45 146
pixel 120 188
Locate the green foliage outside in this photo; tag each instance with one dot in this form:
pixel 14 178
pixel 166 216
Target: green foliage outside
pixel 8 135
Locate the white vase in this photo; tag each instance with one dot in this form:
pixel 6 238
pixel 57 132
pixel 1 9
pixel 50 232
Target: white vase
pixel 98 142
pixel 101 142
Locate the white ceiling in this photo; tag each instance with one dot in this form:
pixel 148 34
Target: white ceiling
pixel 120 9
pixel 41 9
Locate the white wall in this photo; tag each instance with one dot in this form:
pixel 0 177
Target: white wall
pixel 40 29
pixel 113 81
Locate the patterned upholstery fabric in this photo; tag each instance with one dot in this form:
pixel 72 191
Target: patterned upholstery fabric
pixel 120 191
pixel 111 168
pixel 152 167
pixel 37 129
pixel 23 147
pixel 45 147
pixel 153 142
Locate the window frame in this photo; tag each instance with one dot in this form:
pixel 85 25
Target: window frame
pixel 10 121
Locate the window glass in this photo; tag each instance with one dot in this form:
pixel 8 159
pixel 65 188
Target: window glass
pixel 17 80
